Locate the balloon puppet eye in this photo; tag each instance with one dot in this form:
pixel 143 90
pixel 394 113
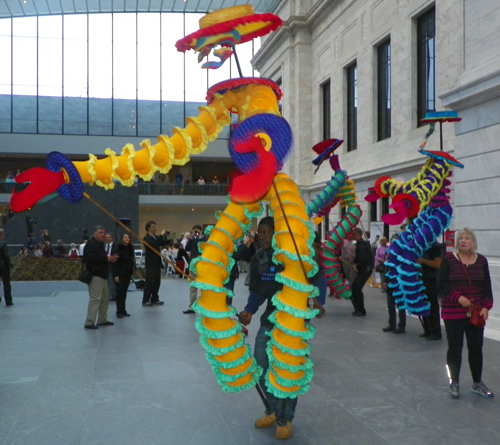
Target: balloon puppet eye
pixel 267 143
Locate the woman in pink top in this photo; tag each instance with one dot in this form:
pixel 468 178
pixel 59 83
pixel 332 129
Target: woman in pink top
pixel 464 280
pixel 380 257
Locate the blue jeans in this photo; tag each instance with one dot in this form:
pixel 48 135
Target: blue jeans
pixel 262 360
pixel 322 284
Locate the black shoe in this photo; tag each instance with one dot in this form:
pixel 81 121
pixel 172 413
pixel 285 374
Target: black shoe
pixel 125 314
pixel 387 329
pixel 9 304
pixel 112 299
pixel 91 326
pixel 359 314
pixel 424 335
pixel 119 315
pixel 189 311
pixel 147 303
pixel 106 323
pixel 399 331
pixel 433 337
pixel 157 303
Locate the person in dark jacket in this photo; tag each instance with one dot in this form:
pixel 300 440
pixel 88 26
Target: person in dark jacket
pixel 193 251
pixel 97 263
pixel 5 266
pixel 263 286
pixel 363 266
pixel 122 271
pixel 150 296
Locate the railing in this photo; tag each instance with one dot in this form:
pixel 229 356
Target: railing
pixel 151 188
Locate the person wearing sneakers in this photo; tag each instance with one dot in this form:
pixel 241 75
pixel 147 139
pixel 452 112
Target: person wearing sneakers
pixel 262 287
pixel 97 262
pixel 464 281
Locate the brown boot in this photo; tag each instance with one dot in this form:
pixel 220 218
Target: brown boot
pixel 284 432
pixel 266 421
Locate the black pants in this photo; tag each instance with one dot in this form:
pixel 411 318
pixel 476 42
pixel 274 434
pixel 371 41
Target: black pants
pixel 391 308
pixel 432 324
pixel 358 298
pixel 152 286
pixel 455 330
pixel 7 290
pixel 121 294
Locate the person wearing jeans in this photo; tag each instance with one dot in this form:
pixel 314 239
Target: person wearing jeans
pixel 263 287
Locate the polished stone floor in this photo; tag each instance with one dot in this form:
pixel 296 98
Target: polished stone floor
pixel 146 381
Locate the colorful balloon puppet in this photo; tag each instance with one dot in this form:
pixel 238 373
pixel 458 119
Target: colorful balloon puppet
pixel 258 147
pixel 425 201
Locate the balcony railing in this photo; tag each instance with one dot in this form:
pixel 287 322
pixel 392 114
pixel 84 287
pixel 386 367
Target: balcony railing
pixel 147 188
pixel 151 188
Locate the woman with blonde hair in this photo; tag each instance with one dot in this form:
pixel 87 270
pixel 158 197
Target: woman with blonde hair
pixel 464 282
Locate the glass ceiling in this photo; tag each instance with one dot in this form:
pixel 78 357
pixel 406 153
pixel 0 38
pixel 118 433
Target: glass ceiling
pixel 21 8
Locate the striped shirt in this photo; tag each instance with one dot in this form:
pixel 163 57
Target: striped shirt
pixel 452 282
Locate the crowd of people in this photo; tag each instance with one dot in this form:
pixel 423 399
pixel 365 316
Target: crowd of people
pixel 461 278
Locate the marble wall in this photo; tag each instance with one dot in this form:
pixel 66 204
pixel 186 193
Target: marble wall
pixel 319 44
pixel 330 35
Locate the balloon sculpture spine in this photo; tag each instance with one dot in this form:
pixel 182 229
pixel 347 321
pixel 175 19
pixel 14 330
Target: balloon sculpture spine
pixel 258 148
pixel 426 195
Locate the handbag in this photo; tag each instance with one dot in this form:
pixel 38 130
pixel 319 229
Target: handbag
pixel 380 268
pixel 475 316
pixel 475 310
pixel 85 276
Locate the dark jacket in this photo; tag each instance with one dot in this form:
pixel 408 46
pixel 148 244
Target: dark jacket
pixel 263 284
pixel 237 256
pixel 364 259
pixel 192 246
pixel 153 260
pixel 95 258
pixel 125 264
pixel 4 256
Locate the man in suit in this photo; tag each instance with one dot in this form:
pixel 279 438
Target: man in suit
pixel 110 250
pixel 150 296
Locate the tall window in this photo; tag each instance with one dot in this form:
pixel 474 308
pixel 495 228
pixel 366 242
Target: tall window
pixel 326 105
pixel 426 64
pixel 373 211
pixel 352 107
pixel 103 74
pixel 384 90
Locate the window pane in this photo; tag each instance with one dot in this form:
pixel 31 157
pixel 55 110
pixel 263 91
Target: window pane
pixel 100 56
pixel 5 63
pixel 75 55
pixel 326 107
pixel 50 115
pixel 196 78
pixel 50 56
pixel 124 117
pixel 75 115
pixel 5 113
pixel 24 114
pixel 24 57
pixel 100 116
pixel 124 56
pixel 172 81
pixel 352 108
pixel 148 41
pixel 384 90
pixel 148 118
pixel 426 69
